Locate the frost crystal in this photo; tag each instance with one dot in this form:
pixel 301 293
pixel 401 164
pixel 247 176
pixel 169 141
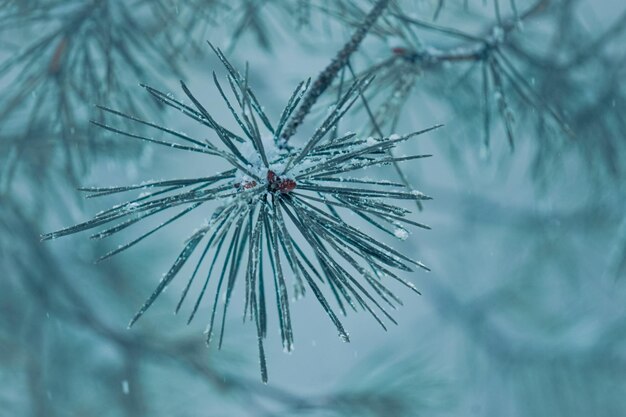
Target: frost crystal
pixel 401 234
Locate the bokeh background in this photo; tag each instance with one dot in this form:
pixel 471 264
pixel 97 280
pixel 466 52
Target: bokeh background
pixel 523 313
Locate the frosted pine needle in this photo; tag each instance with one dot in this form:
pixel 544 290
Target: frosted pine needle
pixel 278 216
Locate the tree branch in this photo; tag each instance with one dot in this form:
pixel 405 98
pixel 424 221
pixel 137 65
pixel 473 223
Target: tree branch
pixel 326 77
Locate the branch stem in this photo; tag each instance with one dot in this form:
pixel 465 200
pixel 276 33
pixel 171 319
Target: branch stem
pixel 326 77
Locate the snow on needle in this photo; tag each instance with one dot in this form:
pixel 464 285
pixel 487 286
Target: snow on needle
pixel 278 212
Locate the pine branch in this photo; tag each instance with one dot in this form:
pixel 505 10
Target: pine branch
pixel 269 200
pixel 326 77
pixel 499 72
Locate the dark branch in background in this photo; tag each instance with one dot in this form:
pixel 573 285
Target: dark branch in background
pixel 326 77
pixel 501 77
pixel 195 21
pixel 68 56
pixel 481 45
pixel 487 50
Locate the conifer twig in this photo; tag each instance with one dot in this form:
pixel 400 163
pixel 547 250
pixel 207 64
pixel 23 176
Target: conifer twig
pixel 326 77
pixel 270 199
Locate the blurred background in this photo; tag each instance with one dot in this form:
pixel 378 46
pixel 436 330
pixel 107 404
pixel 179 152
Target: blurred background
pixel 523 313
